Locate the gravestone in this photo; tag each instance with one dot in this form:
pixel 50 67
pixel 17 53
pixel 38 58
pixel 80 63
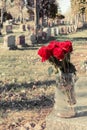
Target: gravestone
pixel 20 40
pixel 52 32
pixel 47 31
pixel 32 38
pixel 9 42
pixel 39 36
pixel 8 28
pixel 22 27
pixel 66 32
pixel 69 29
pixel 57 30
pixel 28 27
pixel 44 36
pixel 60 32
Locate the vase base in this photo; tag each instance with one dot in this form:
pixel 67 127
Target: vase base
pixel 67 114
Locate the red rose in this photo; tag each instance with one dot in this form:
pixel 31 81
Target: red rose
pixel 44 53
pixel 52 45
pixel 58 53
pixel 66 46
pixel 69 44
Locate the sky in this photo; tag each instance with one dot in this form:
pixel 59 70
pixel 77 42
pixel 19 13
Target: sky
pixel 64 5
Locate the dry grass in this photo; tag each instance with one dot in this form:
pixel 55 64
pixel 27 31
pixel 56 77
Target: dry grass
pixel 25 86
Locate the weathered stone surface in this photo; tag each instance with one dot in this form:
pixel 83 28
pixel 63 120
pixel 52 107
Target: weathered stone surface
pixel 53 122
pixel 32 38
pixel 48 32
pixel 22 27
pixel 9 41
pixel 20 40
pixel 8 28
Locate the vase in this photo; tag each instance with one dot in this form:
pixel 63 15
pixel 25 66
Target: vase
pixel 65 98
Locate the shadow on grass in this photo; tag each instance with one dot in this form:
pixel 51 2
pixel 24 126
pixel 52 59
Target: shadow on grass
pixel 73 39
pixel 63 38
pixel 81 108
pixel 43 102
pixel 22 102
pixel 14 86
pixel 81 114
pixel 79 39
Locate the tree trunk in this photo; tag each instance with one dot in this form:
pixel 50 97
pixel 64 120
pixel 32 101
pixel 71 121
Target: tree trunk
pixel 2 17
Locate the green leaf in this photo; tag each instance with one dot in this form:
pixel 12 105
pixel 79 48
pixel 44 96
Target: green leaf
pixel 50 71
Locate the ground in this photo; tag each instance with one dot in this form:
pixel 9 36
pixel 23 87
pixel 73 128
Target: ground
pixel 26 87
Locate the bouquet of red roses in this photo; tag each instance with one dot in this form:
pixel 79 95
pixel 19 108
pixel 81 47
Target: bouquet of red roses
pixel 58 54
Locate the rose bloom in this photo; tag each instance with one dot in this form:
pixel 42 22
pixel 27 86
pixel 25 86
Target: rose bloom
pixel 44 53
pixel 58 53
pixel 52 45
pixel 66 46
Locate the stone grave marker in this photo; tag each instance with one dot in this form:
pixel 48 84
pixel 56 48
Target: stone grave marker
pixel 8 28
pixel 52 32
pixel 28 27
pixel 20 40
pixel 39 34
pixel 22 27
pixel 32 38
pixel 48 33
pixel 9 41
pixel 56 31
pixel 44 36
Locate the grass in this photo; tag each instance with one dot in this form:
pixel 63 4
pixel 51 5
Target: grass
pixel 1 40
pixel 21 70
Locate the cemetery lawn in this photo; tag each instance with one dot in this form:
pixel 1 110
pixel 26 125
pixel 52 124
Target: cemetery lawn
pixel 26 87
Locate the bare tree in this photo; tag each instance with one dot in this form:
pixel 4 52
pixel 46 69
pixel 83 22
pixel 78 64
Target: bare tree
pixel 20 5
pixel 3 7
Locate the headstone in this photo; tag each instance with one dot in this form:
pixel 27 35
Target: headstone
pixel 39 35
pixel 20 40
pixel 47 31
pixel 44 35
pixel 52 32
pixel 28 27
pixel 8 28
pixel 9 41
pixel 66 32
pixel 57 30
pixel 69 28
pixel 22 27
pixel 61 31
pixel 75 28
pixel 32 38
